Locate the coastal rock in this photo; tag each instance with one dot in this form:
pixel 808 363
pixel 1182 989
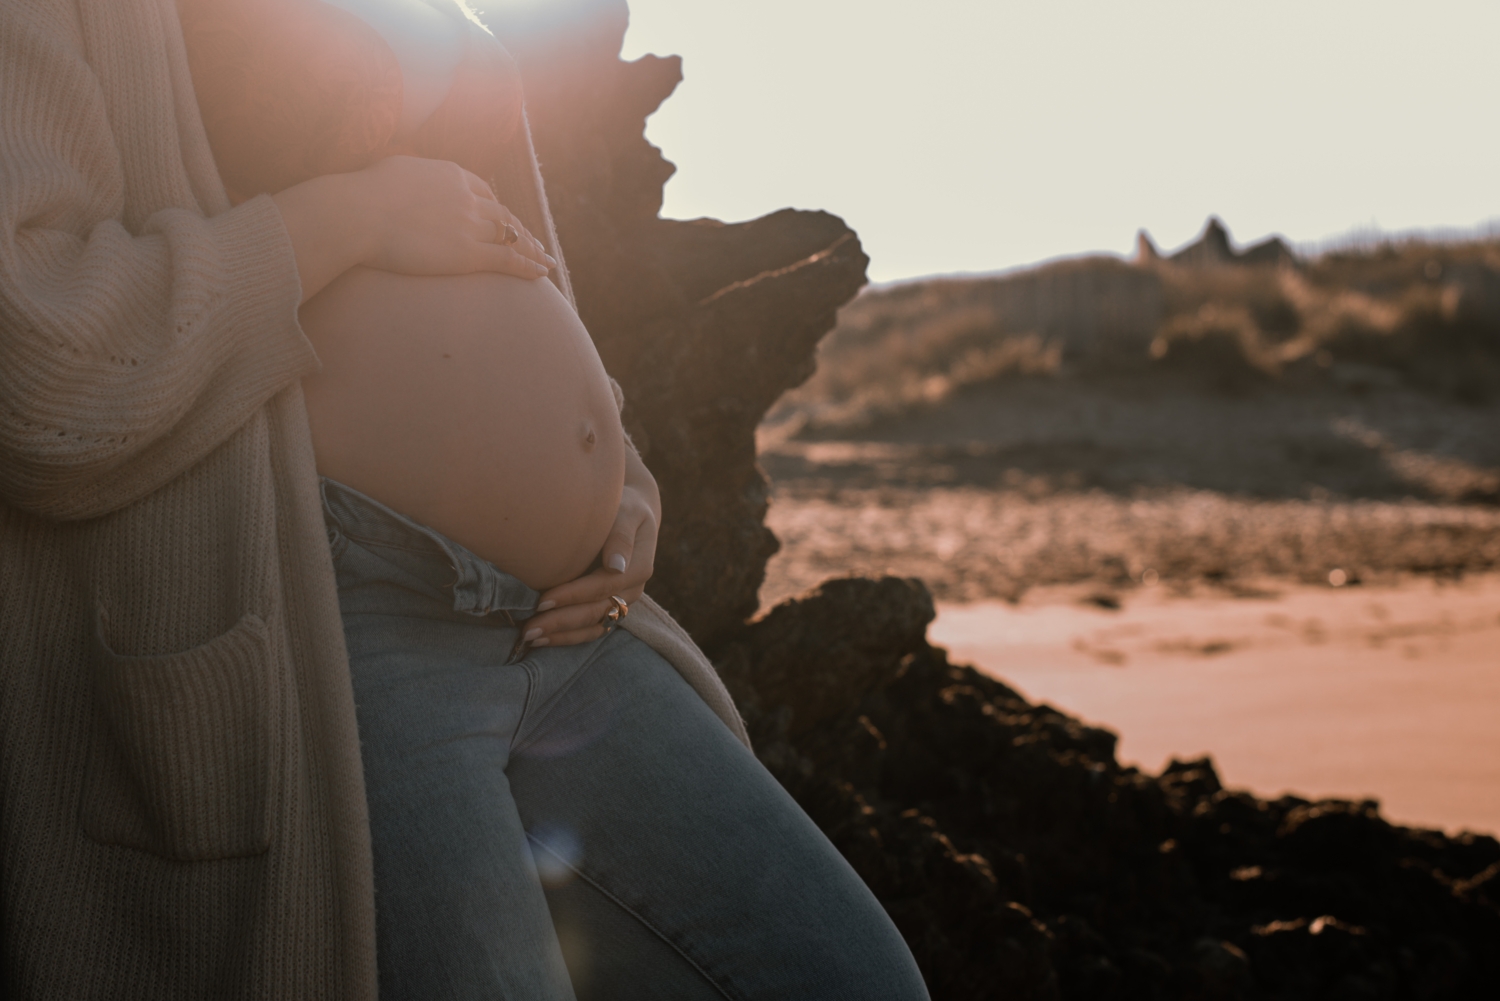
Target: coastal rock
pixel 820 653
pixel 703 323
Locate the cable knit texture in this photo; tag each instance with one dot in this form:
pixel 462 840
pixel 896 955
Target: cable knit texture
pixel 184 812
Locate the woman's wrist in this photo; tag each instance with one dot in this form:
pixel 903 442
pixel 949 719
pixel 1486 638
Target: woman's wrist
pixel 333 225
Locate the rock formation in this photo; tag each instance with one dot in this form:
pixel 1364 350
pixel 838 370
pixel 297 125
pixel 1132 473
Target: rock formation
pixel 1145 248
pixel 1213 248
pixel 704 324
pixel 1016 855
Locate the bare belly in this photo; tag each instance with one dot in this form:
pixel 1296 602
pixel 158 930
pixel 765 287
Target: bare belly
pixel 474 404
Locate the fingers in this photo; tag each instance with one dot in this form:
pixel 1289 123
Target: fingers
pixel 591 589
pixel 477 185
pixel 568 624
pixel 506 261
pixel 571 610
pixel 618 548
pixel 628 556
pixel 433 217
pixel 574 612
pixel 526 244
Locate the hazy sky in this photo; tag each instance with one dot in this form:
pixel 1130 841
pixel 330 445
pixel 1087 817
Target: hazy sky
pixel 971 135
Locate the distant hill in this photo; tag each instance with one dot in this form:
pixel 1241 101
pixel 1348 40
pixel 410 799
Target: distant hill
pixel 1426 314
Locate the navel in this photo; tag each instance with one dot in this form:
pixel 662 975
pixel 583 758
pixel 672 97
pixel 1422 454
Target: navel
pixel 587 437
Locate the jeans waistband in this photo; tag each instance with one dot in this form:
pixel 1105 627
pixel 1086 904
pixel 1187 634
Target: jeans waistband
pixel 478 586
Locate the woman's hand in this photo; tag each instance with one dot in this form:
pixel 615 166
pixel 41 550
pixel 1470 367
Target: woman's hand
pixel 574 612
pixel 436 218
pixel 404 214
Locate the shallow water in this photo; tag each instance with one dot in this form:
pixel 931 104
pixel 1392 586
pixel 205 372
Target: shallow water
pixel 1390 692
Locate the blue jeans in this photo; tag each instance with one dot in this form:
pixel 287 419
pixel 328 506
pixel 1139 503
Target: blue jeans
pixel 574 821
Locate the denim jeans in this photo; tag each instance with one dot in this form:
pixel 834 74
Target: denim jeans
pixel 573 822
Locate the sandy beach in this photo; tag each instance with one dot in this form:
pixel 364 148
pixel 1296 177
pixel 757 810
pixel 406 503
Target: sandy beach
pixel 1162 561
pixel 1385 692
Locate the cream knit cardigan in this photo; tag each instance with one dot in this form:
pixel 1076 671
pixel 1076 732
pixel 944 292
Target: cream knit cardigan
pixel 183 807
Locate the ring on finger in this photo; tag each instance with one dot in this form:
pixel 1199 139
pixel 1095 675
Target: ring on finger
pixel 508 235
pixel 618 609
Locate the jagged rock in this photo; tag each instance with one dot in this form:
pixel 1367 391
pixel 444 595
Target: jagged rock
pixel 821 653
pixel 1145 248
pixel 704 324
pixel 1213 249
pixel 1170 886
pixel 1220 970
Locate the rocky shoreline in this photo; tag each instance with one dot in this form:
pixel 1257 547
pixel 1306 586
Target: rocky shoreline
pixel 1020 859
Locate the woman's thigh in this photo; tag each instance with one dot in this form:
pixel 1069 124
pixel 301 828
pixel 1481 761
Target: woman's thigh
pixel 675 865
pixel 460 911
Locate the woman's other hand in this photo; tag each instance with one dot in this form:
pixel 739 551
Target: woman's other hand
pixel 574 612
pixel 404 214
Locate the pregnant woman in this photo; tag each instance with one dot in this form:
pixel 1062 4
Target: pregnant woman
pixel 317 523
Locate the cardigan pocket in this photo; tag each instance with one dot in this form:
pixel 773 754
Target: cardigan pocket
pixel 183 764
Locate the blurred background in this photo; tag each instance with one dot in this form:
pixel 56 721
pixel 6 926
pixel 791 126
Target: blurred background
pixel 1179 382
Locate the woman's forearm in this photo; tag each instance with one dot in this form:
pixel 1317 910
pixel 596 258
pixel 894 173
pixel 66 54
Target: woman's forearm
pixel 405 214
pixel 330 229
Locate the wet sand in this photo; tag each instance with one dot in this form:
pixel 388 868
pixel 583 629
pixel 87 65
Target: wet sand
pixel 1390 692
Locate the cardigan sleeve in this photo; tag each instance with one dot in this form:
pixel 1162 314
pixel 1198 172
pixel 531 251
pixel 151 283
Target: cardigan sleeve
pixel 127 352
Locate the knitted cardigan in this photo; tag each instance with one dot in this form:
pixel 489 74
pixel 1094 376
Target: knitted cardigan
pixel 183 808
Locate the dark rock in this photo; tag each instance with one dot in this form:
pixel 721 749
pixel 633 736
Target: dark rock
pixel 1213 249
pixel 1219 970
pixel 1321 957
pixel 704 324
pixel 1336 834
pixel 1482 889
pixel 1191 780
pixel 822 653
pixel 1083 960
pixel 1145 248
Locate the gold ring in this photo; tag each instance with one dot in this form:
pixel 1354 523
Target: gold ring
pixel 510 235
pixel 618 609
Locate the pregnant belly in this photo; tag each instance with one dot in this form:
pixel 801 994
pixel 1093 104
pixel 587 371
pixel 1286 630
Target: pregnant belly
pixel 474 404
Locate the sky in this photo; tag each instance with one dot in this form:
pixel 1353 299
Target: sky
pixel 979 135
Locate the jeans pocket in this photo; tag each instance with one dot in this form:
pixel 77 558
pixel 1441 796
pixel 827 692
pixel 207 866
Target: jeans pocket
pixel 184 761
